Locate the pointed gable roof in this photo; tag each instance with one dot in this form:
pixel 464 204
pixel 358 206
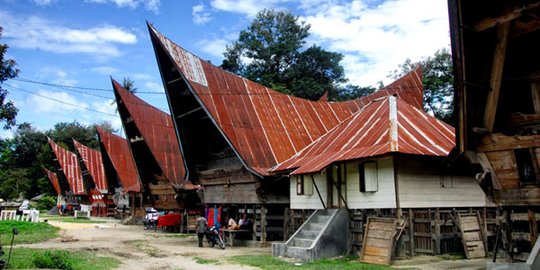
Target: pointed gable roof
pixel 54 180
pixel 263 126
pixel 158 132
pixel 70 167
pixel 388 125
pixel 117 149
pixel 94 163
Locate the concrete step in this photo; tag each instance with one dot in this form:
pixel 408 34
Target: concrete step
pixel 310 234
pixel 302 242
pixel 315 226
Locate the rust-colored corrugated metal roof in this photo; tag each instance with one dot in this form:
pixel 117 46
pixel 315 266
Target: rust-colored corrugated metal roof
pixel 264 126
pixel 93 162
pixel 54 180
pixel 70 167
pixel 158 132
pixel 388 125
pixel 117 149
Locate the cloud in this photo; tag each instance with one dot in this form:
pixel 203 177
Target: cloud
pixel 67 105
pixel 376 39
pixel 151 5
pixel 245 7
pixel 37 33
pixel 104 70
pixel 214 47
pixel 154 87
pixel 200 15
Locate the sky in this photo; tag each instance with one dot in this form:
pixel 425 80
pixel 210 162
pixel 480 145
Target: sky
pixel 68 50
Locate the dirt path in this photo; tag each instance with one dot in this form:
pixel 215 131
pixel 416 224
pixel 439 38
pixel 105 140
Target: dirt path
pixel 140 249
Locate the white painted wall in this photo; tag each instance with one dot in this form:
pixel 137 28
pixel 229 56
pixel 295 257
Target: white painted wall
pixel 383 198
pixel 309 201
pixel 420 185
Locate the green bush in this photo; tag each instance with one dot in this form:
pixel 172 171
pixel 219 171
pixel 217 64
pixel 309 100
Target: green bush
pixel 46 203
pixel 52 260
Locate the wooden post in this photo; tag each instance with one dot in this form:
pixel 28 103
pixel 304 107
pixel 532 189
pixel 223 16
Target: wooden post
pixel 411 232
pixel 496 75
pixel 263 224
pixel 484 227
pixel 533 227
pixel 437 248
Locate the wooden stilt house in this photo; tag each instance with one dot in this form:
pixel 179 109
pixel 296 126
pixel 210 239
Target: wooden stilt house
pixel 156 153
pixel 497 85
pixel 120 171
pixel 91 164
pixel 231 131
pixel 69 169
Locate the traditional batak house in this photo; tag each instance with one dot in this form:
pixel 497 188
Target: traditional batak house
pixel 231 131
pixel 120 171
pixel 69 169
pixel 497 83
pixel 155 150
pixel 61 187
pixel 92 167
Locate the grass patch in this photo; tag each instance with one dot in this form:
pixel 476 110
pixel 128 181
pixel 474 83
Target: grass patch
pixel 29 232
pixel 72 220
pixel 452 256
pixel 267 262
pixel 26 258
pixel 200 260
pixel 143 246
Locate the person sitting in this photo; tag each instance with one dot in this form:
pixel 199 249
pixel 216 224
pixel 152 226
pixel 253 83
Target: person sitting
pixel 245 223
pixel 232 225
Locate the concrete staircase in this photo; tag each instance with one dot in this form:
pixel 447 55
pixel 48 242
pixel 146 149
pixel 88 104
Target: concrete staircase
pixel 324 234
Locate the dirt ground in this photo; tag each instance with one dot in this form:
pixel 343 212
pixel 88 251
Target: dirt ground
pixel 140 249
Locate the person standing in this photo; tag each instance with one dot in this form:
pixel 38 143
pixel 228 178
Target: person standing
pixel 201 228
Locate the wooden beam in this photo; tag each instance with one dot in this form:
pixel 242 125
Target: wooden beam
pixel 535 91
pixel 505 18
pixel 500 142
pixel 496 76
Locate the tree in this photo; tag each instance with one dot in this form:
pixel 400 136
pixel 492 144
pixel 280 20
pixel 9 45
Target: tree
pixel 271 52
pixel 8 70
pixel 129 85
pixel 438 83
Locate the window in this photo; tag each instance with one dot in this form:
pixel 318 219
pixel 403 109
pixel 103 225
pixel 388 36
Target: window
pixel 303 187
pixel 526 159
pixel 368 177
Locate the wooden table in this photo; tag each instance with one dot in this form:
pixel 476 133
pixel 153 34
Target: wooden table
pixel 229 235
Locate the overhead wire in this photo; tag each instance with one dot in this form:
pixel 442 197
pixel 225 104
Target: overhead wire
pixel 59 101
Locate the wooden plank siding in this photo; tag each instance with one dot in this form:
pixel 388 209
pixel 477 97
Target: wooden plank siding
pixel 421 186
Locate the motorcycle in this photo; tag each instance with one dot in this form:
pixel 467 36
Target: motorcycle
pixel 214 237
pixel 150 219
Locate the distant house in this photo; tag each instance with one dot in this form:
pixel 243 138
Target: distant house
pixel 91 165
pixel 68 168
pixel 152 142
pixel 120 170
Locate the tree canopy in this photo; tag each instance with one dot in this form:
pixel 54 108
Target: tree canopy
pixel 8 70
pixel 438 83
pixel 271 51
